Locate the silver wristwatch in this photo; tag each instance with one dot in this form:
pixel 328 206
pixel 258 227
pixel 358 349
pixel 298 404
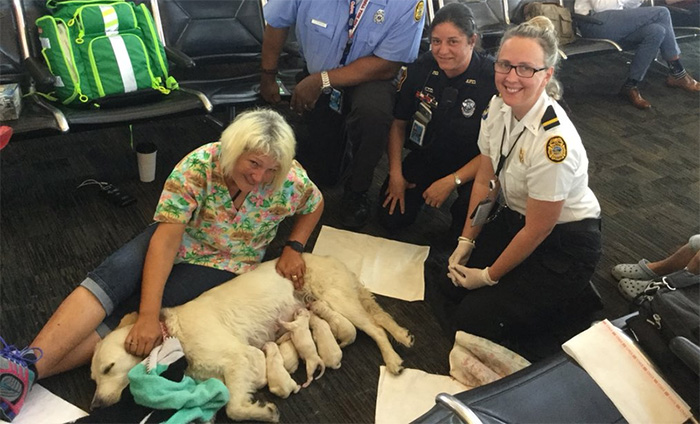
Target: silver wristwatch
pixel 325 83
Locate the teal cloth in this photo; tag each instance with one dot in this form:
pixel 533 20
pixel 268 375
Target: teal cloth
pixel 193 400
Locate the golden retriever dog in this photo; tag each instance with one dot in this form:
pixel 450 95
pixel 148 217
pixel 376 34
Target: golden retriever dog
pixel 223 330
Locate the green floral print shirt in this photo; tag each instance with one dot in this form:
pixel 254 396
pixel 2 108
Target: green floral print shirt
pixel 217 234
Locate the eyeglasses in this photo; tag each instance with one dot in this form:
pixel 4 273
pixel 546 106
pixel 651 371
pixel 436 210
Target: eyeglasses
pixel 504 67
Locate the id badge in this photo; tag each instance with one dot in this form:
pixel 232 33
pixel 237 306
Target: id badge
pixel 336 101
pixel 482 212
pixel 417 133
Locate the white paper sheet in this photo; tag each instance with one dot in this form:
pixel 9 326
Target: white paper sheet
pixel 42 406
pixel 386 267
pixel 626 376
pixel 405 397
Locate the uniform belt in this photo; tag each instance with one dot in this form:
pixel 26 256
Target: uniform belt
pixel 587 224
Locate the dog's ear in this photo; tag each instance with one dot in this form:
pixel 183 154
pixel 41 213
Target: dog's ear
pixel 128 319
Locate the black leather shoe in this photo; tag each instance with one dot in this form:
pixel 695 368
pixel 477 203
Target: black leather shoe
pixel 355 210
pixel 632 94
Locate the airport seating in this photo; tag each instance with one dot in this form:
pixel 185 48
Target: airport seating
pixel 223 38
pixel 35 118
pixel 491 18
pixel 137 109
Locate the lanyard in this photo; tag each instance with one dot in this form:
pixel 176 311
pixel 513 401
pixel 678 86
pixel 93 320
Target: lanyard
pixel 502 160
pixel 353 22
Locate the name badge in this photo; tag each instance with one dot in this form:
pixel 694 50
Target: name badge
pixel 319 23
pixel 336 101
pixel 417 133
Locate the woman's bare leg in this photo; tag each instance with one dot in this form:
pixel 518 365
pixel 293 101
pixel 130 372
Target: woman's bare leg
pixel 69 336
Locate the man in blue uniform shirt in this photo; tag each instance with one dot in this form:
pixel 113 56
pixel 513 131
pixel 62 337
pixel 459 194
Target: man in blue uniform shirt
pixel 353 49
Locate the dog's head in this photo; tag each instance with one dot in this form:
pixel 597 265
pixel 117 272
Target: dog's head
pixel 110 365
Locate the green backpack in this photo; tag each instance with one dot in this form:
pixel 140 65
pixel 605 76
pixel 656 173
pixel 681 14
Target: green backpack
pixel 98 48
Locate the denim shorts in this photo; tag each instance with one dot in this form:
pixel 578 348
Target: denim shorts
pixel 116 282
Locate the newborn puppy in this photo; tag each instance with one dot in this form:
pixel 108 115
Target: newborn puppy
pixel 278 379
pixel 304 343
pixel 289 352
pixel 328 348
pixel 342 328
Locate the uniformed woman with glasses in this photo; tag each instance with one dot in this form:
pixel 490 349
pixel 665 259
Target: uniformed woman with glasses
pixel 532 238
pixel 437 115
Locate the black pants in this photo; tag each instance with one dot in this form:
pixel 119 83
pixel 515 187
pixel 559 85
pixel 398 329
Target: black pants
pixel 537 293
pixel 351 143
pixel 422 171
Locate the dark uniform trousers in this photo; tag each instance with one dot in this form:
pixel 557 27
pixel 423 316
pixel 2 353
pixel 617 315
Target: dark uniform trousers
pixel 537 293
pixel 421 172
pixel 354 141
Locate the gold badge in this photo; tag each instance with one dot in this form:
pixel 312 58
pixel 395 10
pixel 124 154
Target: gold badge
pixel 418 11
pixel 522 156
pixel 556 149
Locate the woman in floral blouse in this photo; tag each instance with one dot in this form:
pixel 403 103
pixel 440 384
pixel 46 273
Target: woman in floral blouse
pixel 219 210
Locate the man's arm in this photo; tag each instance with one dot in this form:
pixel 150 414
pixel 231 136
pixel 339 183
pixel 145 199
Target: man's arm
pixel 273 42
pixel 364 69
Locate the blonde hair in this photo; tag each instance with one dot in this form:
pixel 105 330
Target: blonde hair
pixel 540 29
pixel 261 131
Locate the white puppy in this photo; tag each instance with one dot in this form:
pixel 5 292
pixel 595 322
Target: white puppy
pixel 304 343
pixel 289 352
pixel 279 381
pixel 342 328
pixel 326 345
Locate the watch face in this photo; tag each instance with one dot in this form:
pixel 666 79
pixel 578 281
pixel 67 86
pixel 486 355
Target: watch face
pixel 326 90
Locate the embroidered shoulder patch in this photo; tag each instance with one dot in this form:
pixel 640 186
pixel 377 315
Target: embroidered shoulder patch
pixel 418 11
pixel 556 149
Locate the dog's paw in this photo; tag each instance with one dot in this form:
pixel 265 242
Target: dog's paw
pixel 406 338
pixel 258 411
pixel 395 365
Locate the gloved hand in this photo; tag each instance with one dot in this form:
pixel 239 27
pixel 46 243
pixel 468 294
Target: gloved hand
pixel 462 252
pixel 470 278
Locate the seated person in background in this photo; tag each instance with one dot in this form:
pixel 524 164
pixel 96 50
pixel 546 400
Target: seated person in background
pixel 352 55
pixel 220 208
pixel 646 28
pixel 539 250
pixel 442 96
pixel 634 278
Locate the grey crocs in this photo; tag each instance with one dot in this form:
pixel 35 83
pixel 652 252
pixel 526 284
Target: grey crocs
pixel 630 288
pixel 638 271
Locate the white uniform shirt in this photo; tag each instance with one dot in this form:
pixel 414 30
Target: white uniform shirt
pixel 545 164
pixel 584 7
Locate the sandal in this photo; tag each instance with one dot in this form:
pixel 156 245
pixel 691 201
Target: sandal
pixel 630 289
pixel 638 271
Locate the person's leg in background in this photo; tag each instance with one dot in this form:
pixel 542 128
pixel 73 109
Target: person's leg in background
pixel 368 122
pixel 618 26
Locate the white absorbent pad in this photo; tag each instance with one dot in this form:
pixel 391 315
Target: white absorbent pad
pixel 386 267
pixel 626 376
pixel 405 397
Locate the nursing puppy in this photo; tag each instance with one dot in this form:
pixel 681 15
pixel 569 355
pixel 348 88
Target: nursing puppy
pixel 304 343
pixel 222 331
pixel 279 381
pixel 289 353
pixel 326 345
pixel 342 328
